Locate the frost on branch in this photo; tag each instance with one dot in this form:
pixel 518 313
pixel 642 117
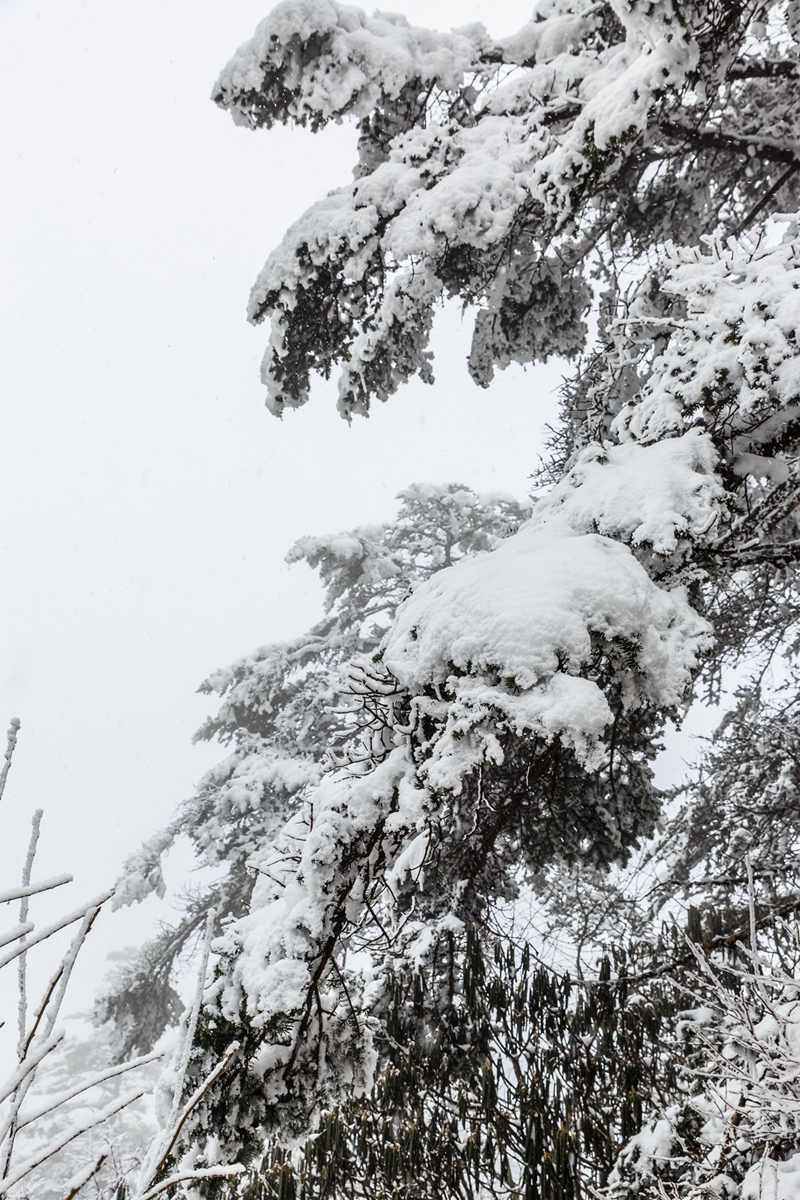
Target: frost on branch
pixel 320 60
pixel 733 357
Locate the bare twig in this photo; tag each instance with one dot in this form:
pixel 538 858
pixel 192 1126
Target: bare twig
pixel 87 1175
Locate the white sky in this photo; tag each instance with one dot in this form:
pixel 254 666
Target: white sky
pixel 147 497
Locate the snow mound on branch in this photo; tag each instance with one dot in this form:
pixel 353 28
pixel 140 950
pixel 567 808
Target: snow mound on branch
pixel 514 630
pixel 328 228
pixel 652 495
pixel 341 60
pixel 529 608
pixel 569 707
pixel 542 40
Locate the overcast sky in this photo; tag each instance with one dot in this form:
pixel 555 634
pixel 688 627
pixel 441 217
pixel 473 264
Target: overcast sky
pixel 148 497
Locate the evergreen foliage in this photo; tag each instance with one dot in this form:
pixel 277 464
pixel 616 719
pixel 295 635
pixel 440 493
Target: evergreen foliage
pixel 478 714
pixel 286 710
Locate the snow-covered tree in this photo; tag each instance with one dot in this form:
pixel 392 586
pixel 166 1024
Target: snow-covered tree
pixel 287 711
pixel 629 159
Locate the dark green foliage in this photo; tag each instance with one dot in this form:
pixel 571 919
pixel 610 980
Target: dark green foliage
pixel 526 1086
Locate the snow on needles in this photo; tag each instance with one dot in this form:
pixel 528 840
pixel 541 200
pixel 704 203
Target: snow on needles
pixel 366 58
pixel 510 638
pixel 659 495
pixel 510 633
pixel 739 338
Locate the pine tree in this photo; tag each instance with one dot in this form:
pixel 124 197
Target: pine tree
pixel 636 160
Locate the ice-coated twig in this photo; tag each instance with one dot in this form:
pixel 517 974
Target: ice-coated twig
pixel 22 972
pixel 29 1064
pixel 191 1175
pixel 34 889
pixel 37 1043
pixel 92 1120
pixel 42 1028
pixel 162 1146
pixel 191 1025
pixel 51 1002
pixel 13 730
pixel 28 1117
pixel 10 1130
pixel 14 935
pixel 49 930
pixel 80 1180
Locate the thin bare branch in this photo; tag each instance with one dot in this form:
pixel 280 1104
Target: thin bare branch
pixel 49 930
pixel 13 731
pixel 69 1135
pixel 22 972
pixel 34 889
pixel 118 1069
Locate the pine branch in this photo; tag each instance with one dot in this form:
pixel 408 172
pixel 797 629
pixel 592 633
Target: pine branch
pixel 764 147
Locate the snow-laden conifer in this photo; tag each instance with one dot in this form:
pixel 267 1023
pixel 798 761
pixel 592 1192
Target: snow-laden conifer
pixel 500 723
